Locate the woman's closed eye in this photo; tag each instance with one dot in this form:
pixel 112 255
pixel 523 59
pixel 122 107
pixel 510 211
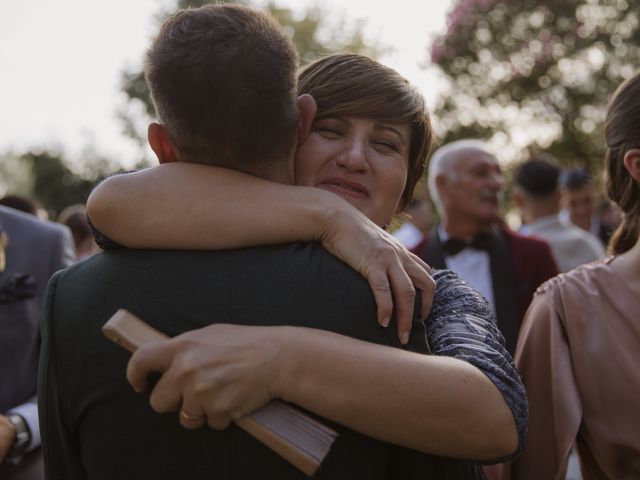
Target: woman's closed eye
pixel 386 145
pixel 329 131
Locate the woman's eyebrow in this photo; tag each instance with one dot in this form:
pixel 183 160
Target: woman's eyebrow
pixel 334 118
pixel 389 128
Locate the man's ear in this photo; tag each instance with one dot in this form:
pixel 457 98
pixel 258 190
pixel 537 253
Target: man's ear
pixel 441 181
pixel 161 143
pixel 307 110
pixel 632 163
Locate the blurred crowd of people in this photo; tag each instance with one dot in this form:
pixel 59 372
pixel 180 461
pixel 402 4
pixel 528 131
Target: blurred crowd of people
pixel 579 204
pixel 32 249
pixel 568 221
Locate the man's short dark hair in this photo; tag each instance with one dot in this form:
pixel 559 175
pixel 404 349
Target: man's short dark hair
pixel 538 176
pixel 574 179
pixel 21 203
pixel 223 82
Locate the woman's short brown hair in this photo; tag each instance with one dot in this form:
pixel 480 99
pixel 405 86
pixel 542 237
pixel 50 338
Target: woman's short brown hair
pixel 357 86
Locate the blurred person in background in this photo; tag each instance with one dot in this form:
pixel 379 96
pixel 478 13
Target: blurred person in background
pixel 415 231
pixel 579 200
pixel 537 196
pixel 31 251
pixel 18 202
pixel 75 218
pixel 579 347
pixel 610 217
pixel 466 183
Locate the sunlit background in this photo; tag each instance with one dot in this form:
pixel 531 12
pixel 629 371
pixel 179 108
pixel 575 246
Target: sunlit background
pixel 525 75
pixel 62 62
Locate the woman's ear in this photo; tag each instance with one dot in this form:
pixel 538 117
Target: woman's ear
pixel 632 163
pixel 307 109
pixel 161 143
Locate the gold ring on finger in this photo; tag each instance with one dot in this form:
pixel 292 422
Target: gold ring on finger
pixel 190 418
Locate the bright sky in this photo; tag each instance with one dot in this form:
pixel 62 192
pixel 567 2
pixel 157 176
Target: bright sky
pixel 62 59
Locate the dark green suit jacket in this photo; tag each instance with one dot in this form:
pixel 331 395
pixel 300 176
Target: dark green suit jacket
pixel 94 426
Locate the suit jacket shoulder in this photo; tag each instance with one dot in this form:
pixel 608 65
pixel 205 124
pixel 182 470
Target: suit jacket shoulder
pixel 532 257
pixel 38 249
pixel 36 246
pixel 89 408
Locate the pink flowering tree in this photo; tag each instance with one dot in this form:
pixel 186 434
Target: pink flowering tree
pixel 535 74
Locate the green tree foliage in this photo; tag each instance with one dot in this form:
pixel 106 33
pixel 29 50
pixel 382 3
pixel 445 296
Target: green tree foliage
pixel 536 73
pixel 15 176
pixel 55 183
pixel 47 178
pixel 312 32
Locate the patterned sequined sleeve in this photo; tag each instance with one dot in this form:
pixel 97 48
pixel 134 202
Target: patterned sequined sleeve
pixel 462 325
pixel 104 242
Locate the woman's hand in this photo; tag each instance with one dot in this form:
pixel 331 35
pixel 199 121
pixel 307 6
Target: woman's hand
pixel 392 271
pixel 7 436
pixel 222 372
pixel 213 375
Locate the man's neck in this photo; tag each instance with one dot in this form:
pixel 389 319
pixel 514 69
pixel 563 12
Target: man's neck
pixel 585 225
pixel 278 176
pixel 464 229
pixel 279 171
pixel 537 211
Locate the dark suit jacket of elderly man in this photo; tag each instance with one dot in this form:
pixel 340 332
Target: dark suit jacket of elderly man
pixel 518 264
pixel 37 248
pixel 96 427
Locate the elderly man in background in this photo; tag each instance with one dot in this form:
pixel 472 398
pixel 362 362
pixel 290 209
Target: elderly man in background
pixel 537 195
pixel 31 250
pixel 465 183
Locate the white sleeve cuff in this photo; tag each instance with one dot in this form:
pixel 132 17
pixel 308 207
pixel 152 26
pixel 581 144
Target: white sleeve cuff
pixel 29 411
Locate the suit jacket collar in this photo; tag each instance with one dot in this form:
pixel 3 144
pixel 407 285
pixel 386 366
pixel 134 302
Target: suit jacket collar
pixel 503 279
pixel 433 254
pixel 505 289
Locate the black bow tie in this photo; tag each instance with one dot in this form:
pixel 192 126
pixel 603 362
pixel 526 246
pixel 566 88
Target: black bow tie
pixel 454 246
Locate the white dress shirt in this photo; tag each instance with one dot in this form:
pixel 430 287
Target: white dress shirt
pixel 472 265
pixel 29 411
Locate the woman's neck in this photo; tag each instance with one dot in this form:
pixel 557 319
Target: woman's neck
pixel 627 265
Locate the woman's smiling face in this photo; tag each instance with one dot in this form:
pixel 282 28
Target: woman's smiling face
pixel 364 161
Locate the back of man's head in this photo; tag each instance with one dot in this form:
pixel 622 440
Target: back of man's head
pixel 538 177
pixel 223 82
pixel 21 203
pixel 574 179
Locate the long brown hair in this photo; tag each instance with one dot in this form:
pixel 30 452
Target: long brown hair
pixel 622 133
